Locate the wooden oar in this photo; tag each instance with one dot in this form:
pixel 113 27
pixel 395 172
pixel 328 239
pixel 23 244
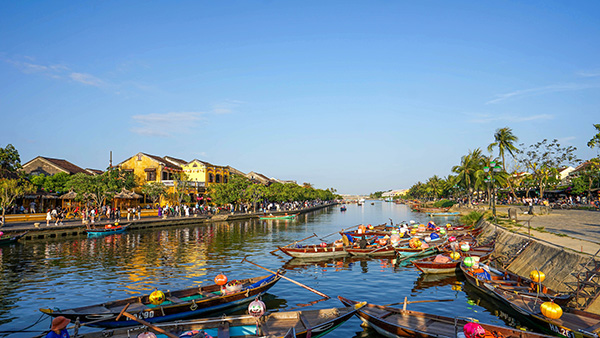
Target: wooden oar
pixel 313 235
pixel 289 279
pixel 143 322
pixel 383 247
pixel 421 301
pixel 341 231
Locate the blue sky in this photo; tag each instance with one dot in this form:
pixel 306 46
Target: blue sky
pixel 360 96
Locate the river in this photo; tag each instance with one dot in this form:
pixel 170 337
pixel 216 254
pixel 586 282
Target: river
pixel 66 273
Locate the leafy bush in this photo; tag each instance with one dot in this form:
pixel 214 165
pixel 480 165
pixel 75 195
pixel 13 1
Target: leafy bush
pixel 472 218
pixel 443 204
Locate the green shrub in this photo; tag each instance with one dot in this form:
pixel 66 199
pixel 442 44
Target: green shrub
pixel 443 203
pixel 472 218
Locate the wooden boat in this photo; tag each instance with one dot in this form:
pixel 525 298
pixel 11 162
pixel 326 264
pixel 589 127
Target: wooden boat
pixel 299 324
pixel 572 324
pixel 315 251
pixel 443 214
pixel 343 208
pixel 107 230
pixel 286 216
pixel 486 279
pixel 5 240
pixel 434 264
pixel 395 322
pixel 372 250
pixel 192 302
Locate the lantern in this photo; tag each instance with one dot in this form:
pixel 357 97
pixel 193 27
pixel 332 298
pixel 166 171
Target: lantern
pixel 448 225
pixel 427 239
pixel 551 310
pixel 362 229
pixel 370 227
pixel 454 255
pixel 452 239
pixel 468 261
pixel 382 241
pixel 221 279
pixel 442 231
pixel 257 308
pixel 323 245
pixel 395 238
pixel 413 231
pixel 537 276
pixel 156 297
pixel 465 246
pixel 414 243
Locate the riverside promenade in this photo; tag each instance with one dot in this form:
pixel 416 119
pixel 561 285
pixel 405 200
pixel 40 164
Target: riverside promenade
pixel 69 228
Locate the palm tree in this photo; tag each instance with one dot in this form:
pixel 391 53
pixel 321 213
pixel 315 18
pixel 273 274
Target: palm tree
pixel 466 171
pixel 505 141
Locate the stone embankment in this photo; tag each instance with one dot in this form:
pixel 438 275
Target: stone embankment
pixel 74 228
pixel 565 268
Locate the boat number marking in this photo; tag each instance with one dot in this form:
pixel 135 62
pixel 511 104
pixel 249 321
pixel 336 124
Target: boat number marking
pixel 144 315
pixel 562 331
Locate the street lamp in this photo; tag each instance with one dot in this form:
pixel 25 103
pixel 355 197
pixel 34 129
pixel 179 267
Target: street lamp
pixel 490 179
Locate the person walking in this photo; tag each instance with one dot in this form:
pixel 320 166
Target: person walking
pixel 48 218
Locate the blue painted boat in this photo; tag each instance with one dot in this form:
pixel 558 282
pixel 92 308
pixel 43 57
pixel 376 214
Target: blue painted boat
pixel 108 230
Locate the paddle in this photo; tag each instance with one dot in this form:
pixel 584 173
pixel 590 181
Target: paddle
pixel 382 247
pixel 420 301
pixel 289 279
pixel 143 322
pixel 313 235
pixel 338 232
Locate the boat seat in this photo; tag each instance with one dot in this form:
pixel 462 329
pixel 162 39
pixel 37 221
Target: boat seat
pixel 206 294
pixel 223 330
pixel 593 328
pixel 135 307
pixel 174 299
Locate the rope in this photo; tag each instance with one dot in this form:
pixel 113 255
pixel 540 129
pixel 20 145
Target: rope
pixel 26 329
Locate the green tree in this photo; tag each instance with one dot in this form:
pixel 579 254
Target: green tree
pixel 505 141
pixel 154 190
pixel 10 162
pixel 100 188
pixel 10 189
pixel 466 172
pixel 594 142
pixel 544 159
pixel 181 187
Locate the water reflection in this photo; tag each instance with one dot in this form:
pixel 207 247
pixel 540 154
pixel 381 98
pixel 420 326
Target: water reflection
pixel 65 273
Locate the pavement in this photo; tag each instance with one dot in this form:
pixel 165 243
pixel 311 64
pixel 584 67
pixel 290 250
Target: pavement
pixel 578 230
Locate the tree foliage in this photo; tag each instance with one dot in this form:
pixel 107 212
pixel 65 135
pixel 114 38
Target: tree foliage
pixel 10 162
pixel 97 189
pixel 10 190
pixel 154 190
pixel 544 159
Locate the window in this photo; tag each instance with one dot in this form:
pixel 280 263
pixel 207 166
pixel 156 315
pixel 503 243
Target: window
pixel 218 178
pixel 139 157
pixel 151 175
pixel 224 178
pixel 210 177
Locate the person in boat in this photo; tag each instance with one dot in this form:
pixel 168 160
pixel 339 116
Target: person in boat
pixel 363 243
pixel 59 328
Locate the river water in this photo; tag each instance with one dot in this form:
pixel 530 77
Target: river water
pixel 66 273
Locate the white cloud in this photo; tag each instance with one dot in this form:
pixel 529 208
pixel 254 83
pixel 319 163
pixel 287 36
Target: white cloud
pixel 55 71
pixel 541 90
pixel 86 79
pixel 589 73
pixel 226 107
pixel 165 125
pixel 488 118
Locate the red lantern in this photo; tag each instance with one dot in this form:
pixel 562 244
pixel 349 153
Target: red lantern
pixel 221 279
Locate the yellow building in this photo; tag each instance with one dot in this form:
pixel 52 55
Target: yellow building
pixel 150 168
pixel 203 174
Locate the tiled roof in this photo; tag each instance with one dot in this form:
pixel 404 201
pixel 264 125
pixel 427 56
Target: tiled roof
pixel 65 165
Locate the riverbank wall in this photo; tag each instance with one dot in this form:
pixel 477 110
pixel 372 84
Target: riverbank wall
pixel 564 267
pixel 39 231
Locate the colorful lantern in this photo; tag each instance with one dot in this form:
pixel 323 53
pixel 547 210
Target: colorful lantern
pixel 415 243
pixel 455 255
pixel 551 310
pixel 537 276
pixel 451 239
pixel 465 247
pixel 468 261
pixel 221 279
pixel 257 308
pixel 442 231
pixel 156 297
